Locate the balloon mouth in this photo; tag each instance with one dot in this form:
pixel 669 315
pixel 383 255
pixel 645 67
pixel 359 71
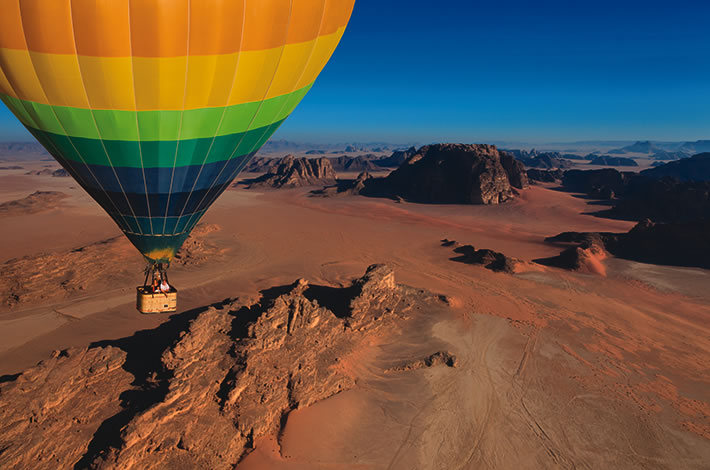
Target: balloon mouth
pixel 157 248
pixel 164 255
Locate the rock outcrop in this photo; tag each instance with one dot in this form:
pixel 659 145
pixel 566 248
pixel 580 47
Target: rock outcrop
pixel 677 244
pixel 455 174
pixel 292 172
pixel 198 390
pixel 489 259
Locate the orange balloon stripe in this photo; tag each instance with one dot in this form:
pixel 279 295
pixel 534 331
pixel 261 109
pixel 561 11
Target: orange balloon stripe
pixel 160 28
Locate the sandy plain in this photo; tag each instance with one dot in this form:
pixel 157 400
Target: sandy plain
pixel 555 369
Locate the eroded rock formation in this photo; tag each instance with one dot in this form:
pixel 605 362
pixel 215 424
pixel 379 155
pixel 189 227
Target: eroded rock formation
pixel 292 172
pixel 676 244
pixel 199 389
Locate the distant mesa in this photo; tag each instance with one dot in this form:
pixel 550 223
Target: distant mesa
pixel 315 152
pixel 292 172
pixel 699 146
pixel 10 151
pixel 665 155
pixel 695 168
pixel 353 148
pixel 675 244
pixel 11 167
pixel 608 160
pixel 638 147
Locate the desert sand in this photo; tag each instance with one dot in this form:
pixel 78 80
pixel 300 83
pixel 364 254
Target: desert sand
pixel 553 369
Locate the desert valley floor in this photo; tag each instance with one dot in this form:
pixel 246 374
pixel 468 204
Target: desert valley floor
pixel 553 368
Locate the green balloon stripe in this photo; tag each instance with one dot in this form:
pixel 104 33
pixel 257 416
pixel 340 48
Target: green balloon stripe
pixel 158 154
pixel 115 125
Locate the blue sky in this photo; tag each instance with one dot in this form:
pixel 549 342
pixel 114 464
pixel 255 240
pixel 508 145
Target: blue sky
pixel 527 71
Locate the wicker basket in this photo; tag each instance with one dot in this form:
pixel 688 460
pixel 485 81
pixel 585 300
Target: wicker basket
pixel 148 302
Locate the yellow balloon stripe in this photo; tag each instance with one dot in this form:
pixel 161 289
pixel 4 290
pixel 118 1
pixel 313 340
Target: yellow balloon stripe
pixel 147 84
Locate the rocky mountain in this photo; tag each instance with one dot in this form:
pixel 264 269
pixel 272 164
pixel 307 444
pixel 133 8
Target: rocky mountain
pixel 292 172
pixel 196 391
pixel 695 168
pixel 454 174
pixel 638 147
pixel 396 159
pixel 12 151
pixel 608 160
pixel 698 146
pixel 676 244
pixel 667 155
pixel 360 163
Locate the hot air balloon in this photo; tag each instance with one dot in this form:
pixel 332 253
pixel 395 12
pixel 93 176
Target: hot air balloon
pixel 154 106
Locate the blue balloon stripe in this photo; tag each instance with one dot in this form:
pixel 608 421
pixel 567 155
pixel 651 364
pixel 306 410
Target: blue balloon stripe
pixel 156 206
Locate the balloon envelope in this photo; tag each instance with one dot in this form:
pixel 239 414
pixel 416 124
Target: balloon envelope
pixel 154 106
